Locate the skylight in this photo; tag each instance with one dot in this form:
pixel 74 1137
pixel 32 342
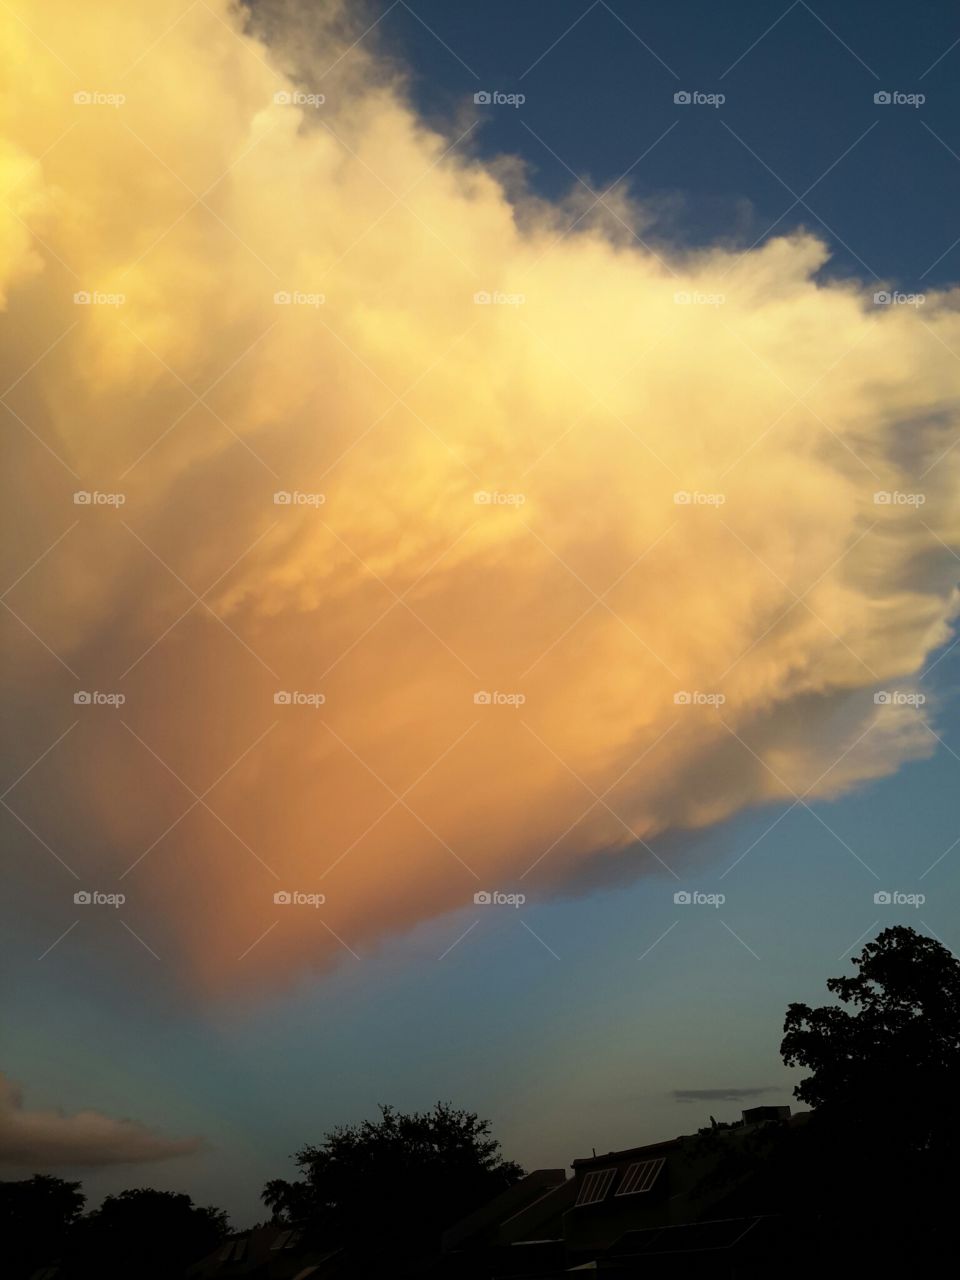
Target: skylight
pixel 595 1186
pixel 640 1177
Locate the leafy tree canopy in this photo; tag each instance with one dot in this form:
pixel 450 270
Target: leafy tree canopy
pixel 36 1215
pixel 154 1233
pixel 411 1174
pixel 892 1060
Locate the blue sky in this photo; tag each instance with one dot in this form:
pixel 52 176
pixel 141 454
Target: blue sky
pixel 799 84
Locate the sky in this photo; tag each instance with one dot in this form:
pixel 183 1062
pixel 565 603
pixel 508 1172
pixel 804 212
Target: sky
pixel 480 584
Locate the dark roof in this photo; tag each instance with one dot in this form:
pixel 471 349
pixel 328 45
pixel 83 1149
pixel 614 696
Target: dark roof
pixel 275 1250
pixel 505 1207
pixel 650 1151
pixel 653 1149
pixel 721 1234
pixel 542 1219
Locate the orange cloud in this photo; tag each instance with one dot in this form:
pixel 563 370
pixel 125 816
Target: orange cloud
pixel 52 1140
pixel 575 544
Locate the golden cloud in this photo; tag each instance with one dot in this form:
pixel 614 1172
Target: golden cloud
pixel 576 543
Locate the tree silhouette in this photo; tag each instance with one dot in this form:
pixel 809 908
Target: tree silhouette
pixel 36 1216
pixel 869 1172
pixel 879 1150
pixel 421 1171
pixel 897 1057
pixel 155 1234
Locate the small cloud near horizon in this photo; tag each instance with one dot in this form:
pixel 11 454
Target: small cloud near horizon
pixel 51 1139
pixel 720 1095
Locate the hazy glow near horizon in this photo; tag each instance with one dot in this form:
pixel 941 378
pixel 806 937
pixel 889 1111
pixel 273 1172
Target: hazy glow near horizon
pixel 630 496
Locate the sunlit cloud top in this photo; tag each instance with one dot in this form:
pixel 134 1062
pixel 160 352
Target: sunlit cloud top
pixel 433 547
